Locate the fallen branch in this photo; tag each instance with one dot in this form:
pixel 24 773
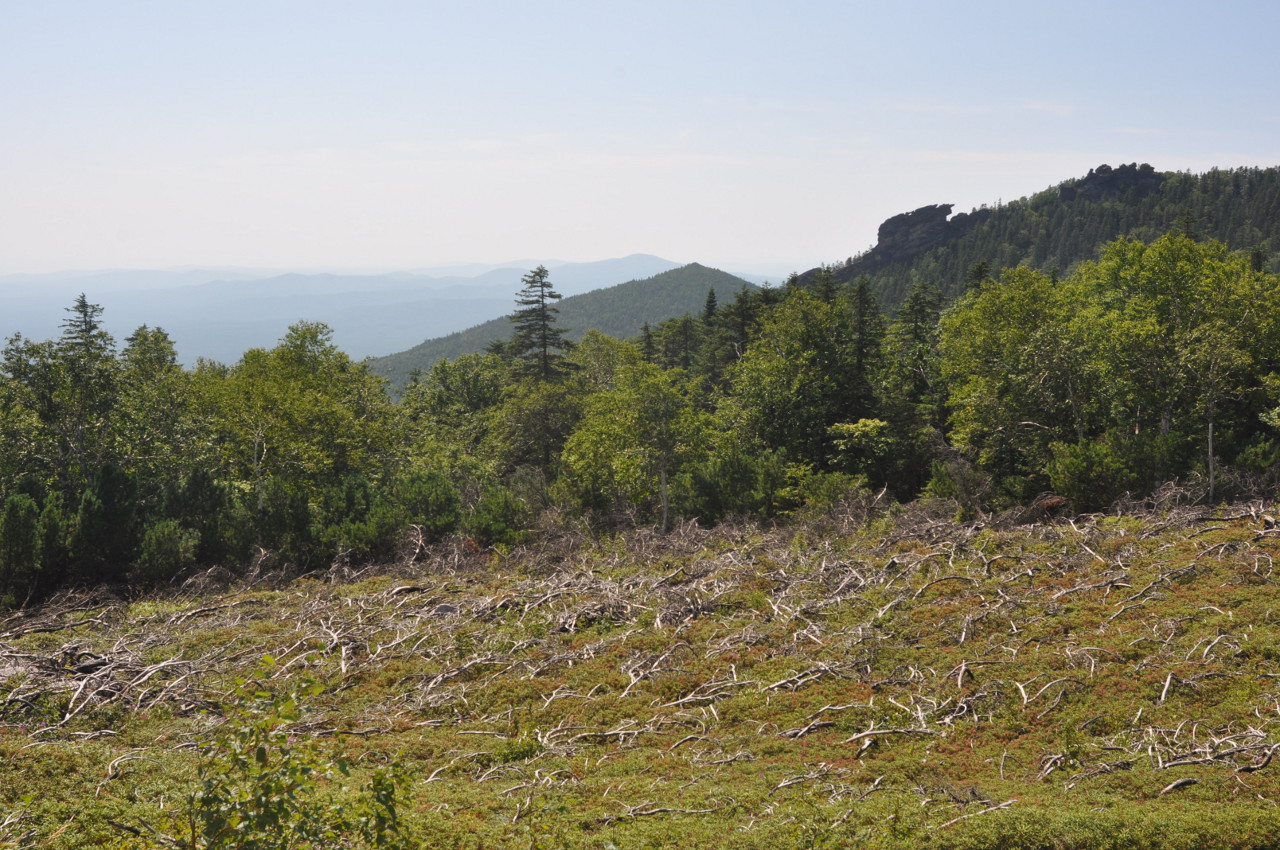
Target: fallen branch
pixel 1006 804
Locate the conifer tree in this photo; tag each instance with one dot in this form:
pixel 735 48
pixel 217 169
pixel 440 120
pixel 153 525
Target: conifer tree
pixel 537 343
pixel 648 347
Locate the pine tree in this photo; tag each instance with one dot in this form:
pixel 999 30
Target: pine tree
pixel 537 343
pixel 648 347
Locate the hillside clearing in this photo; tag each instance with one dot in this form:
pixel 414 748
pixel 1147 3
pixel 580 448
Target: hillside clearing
pixel 896 680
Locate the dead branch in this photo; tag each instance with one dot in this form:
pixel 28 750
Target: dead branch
pixel 1006 804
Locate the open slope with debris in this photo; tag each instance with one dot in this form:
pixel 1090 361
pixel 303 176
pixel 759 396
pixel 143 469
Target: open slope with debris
pixel 893 678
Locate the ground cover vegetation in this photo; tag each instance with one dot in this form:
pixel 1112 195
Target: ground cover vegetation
pixel 865 675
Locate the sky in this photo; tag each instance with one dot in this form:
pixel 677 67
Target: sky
pixel 750 136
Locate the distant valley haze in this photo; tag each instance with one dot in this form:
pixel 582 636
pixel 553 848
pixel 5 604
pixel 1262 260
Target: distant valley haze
pixel 220 313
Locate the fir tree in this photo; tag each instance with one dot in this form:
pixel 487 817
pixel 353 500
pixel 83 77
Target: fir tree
pixel 537 343
pixel 648 347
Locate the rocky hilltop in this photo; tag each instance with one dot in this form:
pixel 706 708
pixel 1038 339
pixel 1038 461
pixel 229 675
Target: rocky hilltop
pixel 905 236
pixel 908 234
pixel 1106 182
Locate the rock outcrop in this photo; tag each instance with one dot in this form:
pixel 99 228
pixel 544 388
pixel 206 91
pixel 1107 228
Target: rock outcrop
pixel 1107 182
pixel 905 236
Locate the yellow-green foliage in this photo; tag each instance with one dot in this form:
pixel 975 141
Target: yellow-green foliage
pixel 904 682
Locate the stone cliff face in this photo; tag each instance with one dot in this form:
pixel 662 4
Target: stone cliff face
pixel 1106 182
pixel 906 236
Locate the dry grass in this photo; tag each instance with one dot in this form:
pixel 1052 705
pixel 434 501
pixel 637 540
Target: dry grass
pixel 867 675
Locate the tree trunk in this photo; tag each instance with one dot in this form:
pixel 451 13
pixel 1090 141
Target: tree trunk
pixel 1212 467
pixel 662 484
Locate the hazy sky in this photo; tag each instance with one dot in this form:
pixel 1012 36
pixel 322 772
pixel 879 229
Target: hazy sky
pixel 387 135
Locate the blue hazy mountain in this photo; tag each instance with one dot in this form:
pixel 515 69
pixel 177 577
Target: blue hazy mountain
pixel 219 313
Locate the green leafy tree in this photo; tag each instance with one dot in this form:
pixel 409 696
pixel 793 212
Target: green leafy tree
pixel 798 378
pixel 157 437
pixel 1197 326
pixel 68 390
pixel 447 416
pixel 597 359
pixel 302 413
pixel 531 425
pixel 1104 378
pixel 634 438
pixel 1020 376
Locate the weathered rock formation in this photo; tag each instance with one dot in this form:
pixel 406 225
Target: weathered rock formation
pixel 906 236
pixel 1107 182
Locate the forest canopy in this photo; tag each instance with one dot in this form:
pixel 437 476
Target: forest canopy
pixel 1156 363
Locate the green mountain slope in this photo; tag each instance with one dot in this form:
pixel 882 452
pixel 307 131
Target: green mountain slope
pixel 618 311
pixel 1063 225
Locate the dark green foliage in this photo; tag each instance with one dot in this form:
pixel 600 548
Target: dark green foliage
pixel 165 551
pixel 1050 232
pixel 1095 473
pixel 106 533
pixel 648 345
pixel 283 523
pixel 678 343
pixel 429 501
pixel 54 541
pixel 537 343
pixel 200 503
pixel 351 521
pixel 619 311
pixel 1092 474
pixel 363 520
pixel 19 546
pixel 736 481
pixel 496 518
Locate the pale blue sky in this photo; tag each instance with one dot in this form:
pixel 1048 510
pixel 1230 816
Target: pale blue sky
pixel 384 135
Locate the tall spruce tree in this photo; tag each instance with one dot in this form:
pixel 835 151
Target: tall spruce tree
pixel 537 343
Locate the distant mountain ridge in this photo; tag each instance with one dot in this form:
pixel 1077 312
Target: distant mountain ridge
pixel 619 311
pixel 221 313
pixel 1066 224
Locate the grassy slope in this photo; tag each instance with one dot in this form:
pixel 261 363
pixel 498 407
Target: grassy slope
pixel 619 311
pixel 837 681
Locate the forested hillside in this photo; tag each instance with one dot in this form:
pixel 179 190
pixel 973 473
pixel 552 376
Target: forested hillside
pixel 1055 229
pixel 1158 363
pixel 618 311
